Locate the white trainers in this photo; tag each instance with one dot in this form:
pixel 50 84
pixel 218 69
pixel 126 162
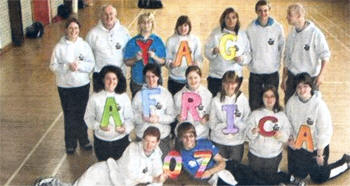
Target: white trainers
pixel 46 181
pixel 297 181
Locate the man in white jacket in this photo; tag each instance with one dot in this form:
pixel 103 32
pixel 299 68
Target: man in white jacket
pixel 266 39
pixel 306 51
pixel 141 163
pixel 107 40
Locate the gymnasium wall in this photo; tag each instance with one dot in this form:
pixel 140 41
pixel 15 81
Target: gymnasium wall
pixel 5 29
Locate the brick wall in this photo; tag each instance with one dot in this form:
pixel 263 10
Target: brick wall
pixel 5 30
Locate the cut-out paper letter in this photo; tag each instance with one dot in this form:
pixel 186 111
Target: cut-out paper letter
pixel 304 135
pixel 230 119
pixel 173 174
pixel 262 122
pixel 111 110
pixel 144 46
pixel 230 53
pixel 206 156
pixel 147 101
pixel 190 101
pixel 184 50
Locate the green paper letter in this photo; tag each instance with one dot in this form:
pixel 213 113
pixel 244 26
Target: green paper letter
pixel 111 110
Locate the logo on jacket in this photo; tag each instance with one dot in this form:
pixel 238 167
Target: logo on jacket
pixel 309 121
pixel 200 107
pixel 145 170
pixel 238 113
pixel 306 47
pixel 118 46
pixel 159 106
pixel 81 57
pixel 270 41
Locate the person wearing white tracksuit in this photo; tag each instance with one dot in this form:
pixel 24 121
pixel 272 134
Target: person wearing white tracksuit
pixel 107 40
pixel 160 114
pixel 306 51
pixel 193 75
pixel 140 164
pixel 72 60
pixel 111 136
pixel 267 132
pixel 230 144
pixel 266 39
pixel 218 65
pixel 311 133
pixel 191 48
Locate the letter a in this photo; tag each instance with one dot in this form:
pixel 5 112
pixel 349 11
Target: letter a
pixel 184 50
pixel 304 135
pixel 111 110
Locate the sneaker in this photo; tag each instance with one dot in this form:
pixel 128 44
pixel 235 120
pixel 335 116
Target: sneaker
pixel 297 181
pixel 346 157
pixel 48 181
pixel 70 151
pixel 87 146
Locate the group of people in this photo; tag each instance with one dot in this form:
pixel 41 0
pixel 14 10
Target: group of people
pixel 217 119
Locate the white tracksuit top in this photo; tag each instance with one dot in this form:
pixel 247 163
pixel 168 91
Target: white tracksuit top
pixel 66 52
pixel 263 146
pixel 266 45
pixel 217 120
pixel 217 64
pixel 132 168
pixel 305 50
pixel 166 113
pixel 206 97
pixel 108 45
pixel 172 46
pixel 316 111
pixel 94 113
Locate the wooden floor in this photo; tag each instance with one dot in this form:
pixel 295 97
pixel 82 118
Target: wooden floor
pixel 31 133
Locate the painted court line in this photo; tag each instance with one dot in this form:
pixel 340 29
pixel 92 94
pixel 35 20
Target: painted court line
pixel 333 23
pixel 332 35
pixel 32 151
pixel 59 165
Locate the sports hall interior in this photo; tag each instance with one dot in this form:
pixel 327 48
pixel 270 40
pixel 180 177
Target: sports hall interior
pixel 32 134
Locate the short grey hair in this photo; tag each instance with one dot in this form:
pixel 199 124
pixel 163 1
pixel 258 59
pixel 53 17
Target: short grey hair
pixel 298 8
pixel 103 8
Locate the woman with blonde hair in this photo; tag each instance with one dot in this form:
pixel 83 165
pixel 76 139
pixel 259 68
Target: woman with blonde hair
pixel 146 47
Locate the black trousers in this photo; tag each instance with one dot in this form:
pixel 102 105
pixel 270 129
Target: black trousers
pixel 231 152
pixel 214 85
pixel 291 86
pixel 302 163
pixel 134 88
pixel 97 82
pixel 245 175
pixel 174 86
pixel 257 82
pixel 73 102
pixel 264 166
pixel 113 149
